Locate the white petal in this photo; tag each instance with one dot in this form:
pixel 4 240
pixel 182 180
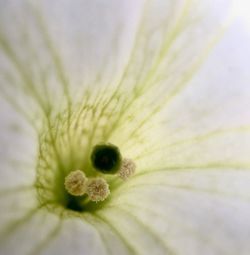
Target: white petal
pixel 207 214
pixel 30 233
pixel 75 236
pixel 207 123
pixel 190 212
pixel 18 149
pixel 217 105
pixel 64 47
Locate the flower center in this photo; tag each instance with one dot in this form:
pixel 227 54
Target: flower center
pixel 76 172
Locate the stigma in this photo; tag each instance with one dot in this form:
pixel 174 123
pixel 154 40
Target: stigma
pixel 106 158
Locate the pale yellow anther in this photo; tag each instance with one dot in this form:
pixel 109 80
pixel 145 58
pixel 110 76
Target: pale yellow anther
pixel 127 169
pixel 76 183
pixel 97 189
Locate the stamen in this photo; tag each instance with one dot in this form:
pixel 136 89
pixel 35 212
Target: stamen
pixel 127 169
pixel 97 189
pixel 76 183
pixel 106 158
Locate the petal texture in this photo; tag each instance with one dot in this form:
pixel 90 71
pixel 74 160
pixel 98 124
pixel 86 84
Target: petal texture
pixel 185 212
pixel 146 76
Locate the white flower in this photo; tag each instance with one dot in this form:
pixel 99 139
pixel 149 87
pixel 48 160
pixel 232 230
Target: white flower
pixel 167 83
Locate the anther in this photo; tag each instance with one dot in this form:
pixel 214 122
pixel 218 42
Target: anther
pixel 127 169
pixel 97 189
pixel 106 158
pixel 76 183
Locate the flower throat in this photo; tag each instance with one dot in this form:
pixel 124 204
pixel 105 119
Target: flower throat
pixel 76 169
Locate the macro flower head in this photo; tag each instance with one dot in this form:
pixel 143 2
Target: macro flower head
pixel 124 128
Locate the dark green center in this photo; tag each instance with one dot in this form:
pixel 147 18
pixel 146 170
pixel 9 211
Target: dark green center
pixel 106 158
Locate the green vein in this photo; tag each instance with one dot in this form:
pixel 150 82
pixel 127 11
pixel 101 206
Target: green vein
pixel 101 233
pixel 117 233
pixel 27 80
pixel 197 138
pixel 16 224
pixel 147 229
pixel 185 188
pixel 55 56
pixel 197 167
pixel 174 222
pixel 168 43
pixel 49 238
pixel 14 190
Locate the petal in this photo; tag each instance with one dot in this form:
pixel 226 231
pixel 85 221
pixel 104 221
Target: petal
pixel 207 123
pixel 184 212
pixel 50 51
pixel 18 149
pixel 18 197
pixel 75 236
pixel 27 234
pixel 178 216
pixel 216 106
